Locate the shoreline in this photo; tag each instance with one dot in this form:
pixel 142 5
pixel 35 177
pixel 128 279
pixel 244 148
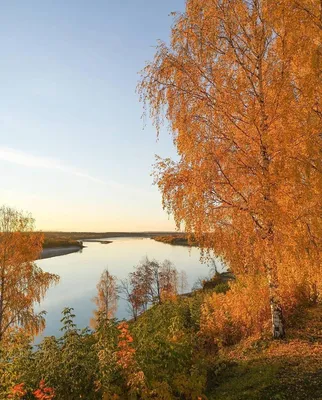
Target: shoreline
pixel 51 252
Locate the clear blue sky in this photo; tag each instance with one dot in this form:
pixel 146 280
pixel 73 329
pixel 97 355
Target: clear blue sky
pixel 73 151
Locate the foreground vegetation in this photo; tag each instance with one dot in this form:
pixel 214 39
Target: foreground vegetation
pixel 165 354
pixel 213 343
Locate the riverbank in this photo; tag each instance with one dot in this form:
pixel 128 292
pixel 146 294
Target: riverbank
pixel 59 251
pixel 176 240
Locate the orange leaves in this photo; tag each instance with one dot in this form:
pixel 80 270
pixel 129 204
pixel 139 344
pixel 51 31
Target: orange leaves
pixel 18 391
pixel 42 393
pixel 241 91
pixel 134 377
pixel 243 311
pixel 126 352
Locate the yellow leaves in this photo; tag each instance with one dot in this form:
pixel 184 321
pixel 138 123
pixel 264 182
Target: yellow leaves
pixel 241 312
pixel 241 90
pixel 22 283
pixel 244 310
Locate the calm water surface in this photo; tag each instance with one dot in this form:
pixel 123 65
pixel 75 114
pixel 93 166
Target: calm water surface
pixel 80 272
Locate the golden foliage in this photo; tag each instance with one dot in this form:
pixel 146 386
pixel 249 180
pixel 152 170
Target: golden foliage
pixel 243 311
pixel 241 90
pixel 22 282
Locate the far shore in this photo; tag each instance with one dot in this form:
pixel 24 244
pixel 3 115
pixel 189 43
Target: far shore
pixel 62 243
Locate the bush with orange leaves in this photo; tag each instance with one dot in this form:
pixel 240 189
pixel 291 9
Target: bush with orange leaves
pixel 299 286
pixel 134 377
pixel 43 392
pixel 241 312
pixel 244 310
pixel 19 391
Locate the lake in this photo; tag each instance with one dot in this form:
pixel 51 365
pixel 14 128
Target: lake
pixel 80 272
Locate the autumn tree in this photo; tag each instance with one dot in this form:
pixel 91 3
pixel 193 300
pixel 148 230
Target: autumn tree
pixel 168 276
pixel 151 280
pixel 22 282
pixel 240 86
pixel 132 298
pixel 150 283
pixel 106 299
pixel 145 282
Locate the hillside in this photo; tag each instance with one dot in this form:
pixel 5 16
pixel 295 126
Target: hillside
pixel 267 370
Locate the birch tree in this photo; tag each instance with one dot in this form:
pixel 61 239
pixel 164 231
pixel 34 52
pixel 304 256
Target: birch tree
pixel 240 88
pixel 106 299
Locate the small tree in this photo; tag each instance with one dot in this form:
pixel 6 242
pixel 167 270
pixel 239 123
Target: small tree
pixel 22 282
pixel 106 299
pixel 143 280
pixel 150 283
pixel 132 297
pixel 168 276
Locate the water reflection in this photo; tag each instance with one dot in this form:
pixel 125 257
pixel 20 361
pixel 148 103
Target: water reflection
pixel 80 272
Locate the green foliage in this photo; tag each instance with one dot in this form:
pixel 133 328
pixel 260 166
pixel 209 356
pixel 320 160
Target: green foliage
pixel 106 339
pixel 167 348
pixel 85 364
pixel 16 361
pixel 69 363
pixel 169 353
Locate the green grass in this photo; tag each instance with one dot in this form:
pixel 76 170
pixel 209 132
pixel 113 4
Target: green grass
pixel 272 370
pixel 268 380
pixel 243 381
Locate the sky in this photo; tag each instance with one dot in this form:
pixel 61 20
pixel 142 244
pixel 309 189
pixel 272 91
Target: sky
pixel 74 151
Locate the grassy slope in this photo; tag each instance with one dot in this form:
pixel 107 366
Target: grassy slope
pixel 271 370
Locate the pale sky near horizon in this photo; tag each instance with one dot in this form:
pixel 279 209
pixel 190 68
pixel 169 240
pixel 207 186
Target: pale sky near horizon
pixel 73 151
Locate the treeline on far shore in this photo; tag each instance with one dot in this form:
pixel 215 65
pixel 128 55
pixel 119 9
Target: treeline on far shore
pixel 50 243
pixel 74 239
pixel 177 240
